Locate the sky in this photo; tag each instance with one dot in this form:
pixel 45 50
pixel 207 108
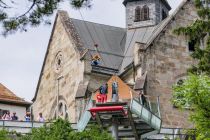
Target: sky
pixel 22 54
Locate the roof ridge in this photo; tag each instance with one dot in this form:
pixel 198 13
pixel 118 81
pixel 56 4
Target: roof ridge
pixel 70 29
pixel 97 23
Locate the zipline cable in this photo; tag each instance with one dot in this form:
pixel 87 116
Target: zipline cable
pixel 95 44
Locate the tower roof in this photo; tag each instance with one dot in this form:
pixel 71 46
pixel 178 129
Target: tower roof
pixel 165 2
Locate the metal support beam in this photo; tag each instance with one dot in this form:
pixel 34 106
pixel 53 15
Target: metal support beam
pixel 133 125
pixel 158 103
pixel 115 129
pixel 98 120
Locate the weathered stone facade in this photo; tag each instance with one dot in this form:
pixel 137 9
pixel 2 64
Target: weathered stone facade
pixel 166 60
pixel 72 71
pixel 155 13
pixel 75 72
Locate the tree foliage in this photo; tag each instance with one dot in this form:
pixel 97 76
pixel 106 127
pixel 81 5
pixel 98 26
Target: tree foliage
pixel 195 93
pixel 4 135
pixel 38 12
pixel 61 130
pixel 199 32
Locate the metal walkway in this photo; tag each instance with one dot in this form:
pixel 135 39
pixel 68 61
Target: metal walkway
pixel 138 123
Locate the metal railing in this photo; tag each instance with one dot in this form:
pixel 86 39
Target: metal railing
pixel 24 127
pixel 146 114
pixel 86 116
pixel 151 103
pixel 175 134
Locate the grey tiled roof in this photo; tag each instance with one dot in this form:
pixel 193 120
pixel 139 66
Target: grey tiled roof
pixel 141 35
pixel 110 40
pixel 115 45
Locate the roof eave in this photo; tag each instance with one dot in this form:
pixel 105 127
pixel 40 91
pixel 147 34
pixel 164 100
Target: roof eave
pixel 17 103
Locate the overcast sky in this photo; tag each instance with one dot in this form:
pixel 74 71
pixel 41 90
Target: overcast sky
pixel 22 54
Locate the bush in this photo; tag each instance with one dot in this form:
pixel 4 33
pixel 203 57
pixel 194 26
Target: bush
pixel 4 135
pixel 61 130
pixel 58 130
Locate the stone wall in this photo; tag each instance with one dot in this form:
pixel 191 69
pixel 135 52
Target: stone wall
pixel 72 70
pixel 166 60
pixel 155 14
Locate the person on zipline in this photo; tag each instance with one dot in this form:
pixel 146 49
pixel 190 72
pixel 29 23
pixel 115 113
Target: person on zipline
pixel 95 60
pixel 114 92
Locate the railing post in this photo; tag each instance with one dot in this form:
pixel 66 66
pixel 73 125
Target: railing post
pixel 141 100
pixel 32 124
pixel 3 124
pixel 158 102
pixel 131 103
pixel 173 133
pixel 150 105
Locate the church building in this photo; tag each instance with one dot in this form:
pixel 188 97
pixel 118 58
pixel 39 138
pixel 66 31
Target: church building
pixel 146 55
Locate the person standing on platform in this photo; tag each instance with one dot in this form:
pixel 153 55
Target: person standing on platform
pixel 40 118
pixel 114 92
pixel 7 116
pixel 103 92
pixel 28 117
pixel 106 92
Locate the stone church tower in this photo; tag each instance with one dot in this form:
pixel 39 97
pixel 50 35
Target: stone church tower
pixel 142 13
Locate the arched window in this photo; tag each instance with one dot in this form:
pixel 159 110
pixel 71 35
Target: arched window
pixel 137 14
pixel 145 12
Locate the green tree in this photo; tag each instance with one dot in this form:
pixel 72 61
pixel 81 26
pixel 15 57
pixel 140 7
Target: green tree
pixel 93 133
pixel 4 135
pixel 199 32
pixel 38 12
pixel 195 93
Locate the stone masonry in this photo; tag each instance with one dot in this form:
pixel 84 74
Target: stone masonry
pixel 72 70
pixel 155 13
pixel 166 61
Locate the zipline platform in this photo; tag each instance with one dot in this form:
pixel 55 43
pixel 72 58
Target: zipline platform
pixel 130 116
